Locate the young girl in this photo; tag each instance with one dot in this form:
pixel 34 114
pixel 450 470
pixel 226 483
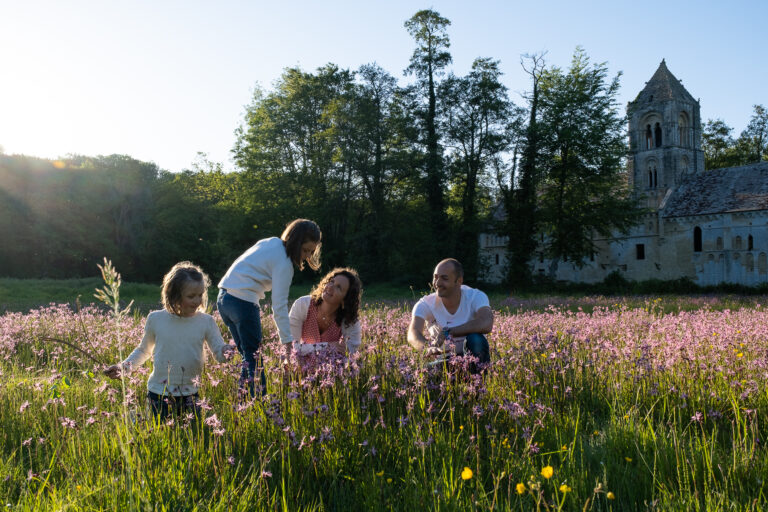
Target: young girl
pixel 174 337
pixel 268 265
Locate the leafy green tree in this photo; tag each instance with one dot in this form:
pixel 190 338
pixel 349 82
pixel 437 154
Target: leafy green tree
pixel 520 196
pixel 755 137
pixel 584 191
pixel 429 58
pixel 718 145
pixel 476 123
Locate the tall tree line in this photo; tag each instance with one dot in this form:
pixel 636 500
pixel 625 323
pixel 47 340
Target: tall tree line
pixel 397 175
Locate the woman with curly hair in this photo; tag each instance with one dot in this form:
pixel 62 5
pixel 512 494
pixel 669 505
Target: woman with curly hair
pixel 327 319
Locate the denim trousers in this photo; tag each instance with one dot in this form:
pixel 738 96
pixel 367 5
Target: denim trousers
pixel 243 319
pixel 163 406
pixel 477 345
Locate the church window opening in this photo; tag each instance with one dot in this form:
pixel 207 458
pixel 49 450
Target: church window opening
pixel 750 243
pixel 683 130
pixel 655 178
pixel 640 249
pixel 684 165
pixel 541 257
pixel 762 264
pixel 657 135
pixel 497 259
pixel 719 243
pixel 650 178
pixel 750 263
pixel 648 137
pixel 697 239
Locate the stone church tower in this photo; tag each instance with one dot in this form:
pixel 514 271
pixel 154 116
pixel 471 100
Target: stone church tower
pixel 664 138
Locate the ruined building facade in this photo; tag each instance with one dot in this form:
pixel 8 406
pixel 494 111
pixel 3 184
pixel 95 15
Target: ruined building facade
pixel 710 226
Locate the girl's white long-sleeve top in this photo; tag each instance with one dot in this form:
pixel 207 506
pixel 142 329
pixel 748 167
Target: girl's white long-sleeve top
pixel 175 344
pixel 264 267
pixel 352 335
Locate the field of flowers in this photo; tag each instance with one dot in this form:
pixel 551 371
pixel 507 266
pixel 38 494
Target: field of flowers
pixel 619 408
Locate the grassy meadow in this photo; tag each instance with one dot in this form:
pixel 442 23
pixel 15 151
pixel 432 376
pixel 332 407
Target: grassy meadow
pixel 590 403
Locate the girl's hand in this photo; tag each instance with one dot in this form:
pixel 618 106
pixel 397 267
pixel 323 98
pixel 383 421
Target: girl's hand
pixel 434 351
pixel 113 372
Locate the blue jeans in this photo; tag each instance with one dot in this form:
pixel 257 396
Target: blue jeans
pixel 244 322
pixel 477 345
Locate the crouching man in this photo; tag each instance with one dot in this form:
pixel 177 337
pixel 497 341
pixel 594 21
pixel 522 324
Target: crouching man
pixel 456 316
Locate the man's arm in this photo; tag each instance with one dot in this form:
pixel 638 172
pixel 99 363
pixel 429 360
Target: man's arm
pixel 481 323
pixel 417 339
pixel 416 333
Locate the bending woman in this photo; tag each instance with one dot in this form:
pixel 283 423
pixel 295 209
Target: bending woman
pixel 327 319
pixel 268 265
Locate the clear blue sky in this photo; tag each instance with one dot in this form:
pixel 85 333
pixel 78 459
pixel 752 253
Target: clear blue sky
pixel 161 80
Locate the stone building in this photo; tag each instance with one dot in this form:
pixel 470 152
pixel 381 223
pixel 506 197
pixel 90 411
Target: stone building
pixel 710 226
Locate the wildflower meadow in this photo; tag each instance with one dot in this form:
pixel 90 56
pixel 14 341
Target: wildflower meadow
pixel 622 407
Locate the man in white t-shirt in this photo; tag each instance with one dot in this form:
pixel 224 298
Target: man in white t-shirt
pixel 456 316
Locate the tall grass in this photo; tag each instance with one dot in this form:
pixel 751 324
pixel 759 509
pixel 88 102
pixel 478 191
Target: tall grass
pixel 630 407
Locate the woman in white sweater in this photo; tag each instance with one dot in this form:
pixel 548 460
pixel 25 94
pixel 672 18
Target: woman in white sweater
pixel 174 338
pixel 267 265
pixel 328 318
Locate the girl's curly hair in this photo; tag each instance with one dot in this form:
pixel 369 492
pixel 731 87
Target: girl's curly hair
pixel 350 307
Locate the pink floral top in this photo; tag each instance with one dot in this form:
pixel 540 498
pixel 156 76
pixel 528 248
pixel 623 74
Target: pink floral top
pixel 310 331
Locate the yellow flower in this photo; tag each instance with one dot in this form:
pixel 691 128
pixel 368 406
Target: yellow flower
pixel 461 427
pixel 595 433
pixel 77 487
pixel 740 354
pixel 520 488
pixel 610 496
pixel 466 474
pixel 547 472
pixel 564 448
pixel 564 489
pixel 628 459
pixel 389 480
pixel 380 473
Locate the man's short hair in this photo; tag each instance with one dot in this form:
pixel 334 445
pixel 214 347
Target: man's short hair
pixel 458 269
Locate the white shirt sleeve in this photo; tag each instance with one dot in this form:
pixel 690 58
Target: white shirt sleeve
pixel 144 351
pixel 214 340
pixel 353 336
pixel 298 315
pixel 422 310
pixel 281 285
pixel 479 300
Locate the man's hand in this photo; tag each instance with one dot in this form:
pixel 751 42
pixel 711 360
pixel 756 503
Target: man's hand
pixel 434 351
pixel 113 372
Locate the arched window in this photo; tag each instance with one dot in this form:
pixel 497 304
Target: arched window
pixel 697 239
pixel 762 264
pixel 497 259
pixel 750 243
pixel 650 178
pixel 648 137
pixel 655 178
pixel 683 129
pixel 657 135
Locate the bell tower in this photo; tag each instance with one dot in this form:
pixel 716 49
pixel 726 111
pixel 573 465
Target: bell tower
pixel 664 137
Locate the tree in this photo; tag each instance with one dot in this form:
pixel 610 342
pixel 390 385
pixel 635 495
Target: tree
pixel 429 58
pixel 717 144
pixel 520 199
pixel 476 124
pixel 584 191
pixel 755 136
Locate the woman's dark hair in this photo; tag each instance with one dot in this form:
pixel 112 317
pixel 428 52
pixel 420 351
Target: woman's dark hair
pixel 174 281
pixel 350 307
pixel 296 234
